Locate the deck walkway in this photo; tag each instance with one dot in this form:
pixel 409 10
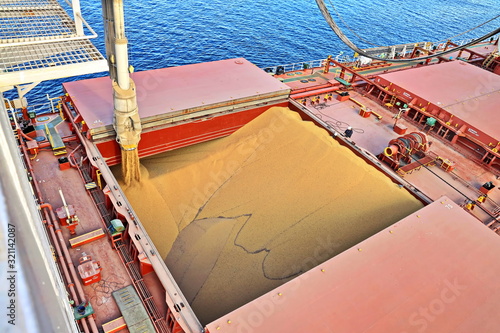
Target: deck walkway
pixel 374 134
pixel 133 310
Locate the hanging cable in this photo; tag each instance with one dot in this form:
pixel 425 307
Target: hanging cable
pixel 348 42
pixel 463 33
pixel 368 42
pixel 348 27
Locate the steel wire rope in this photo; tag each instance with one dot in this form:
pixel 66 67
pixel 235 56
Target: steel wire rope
pixel 463 33
pixel 348 42
pixel 338 125
pixel 439 41
pixel 348 27
pixel 456 189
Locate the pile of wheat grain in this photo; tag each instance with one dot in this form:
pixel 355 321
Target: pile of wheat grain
pixel 239 216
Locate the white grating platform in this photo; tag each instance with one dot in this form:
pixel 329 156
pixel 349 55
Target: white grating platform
pixel 30 20
pixel 39 41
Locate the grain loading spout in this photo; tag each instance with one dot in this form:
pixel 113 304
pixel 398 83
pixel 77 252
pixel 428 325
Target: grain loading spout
pixel 126 120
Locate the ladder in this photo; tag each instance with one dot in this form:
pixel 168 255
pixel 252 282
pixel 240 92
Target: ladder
pixel 391 102
pixel 489 60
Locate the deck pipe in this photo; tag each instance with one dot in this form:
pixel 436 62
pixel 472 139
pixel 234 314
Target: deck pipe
pixel 78 134
pixel 47 144
pixel 24 135
pixel 72 121
pixel 132 270
pixel 58 249
pixel 60 253
pixel 69 262
pixel 31 173
pixel 50 226
pixel 71 156
pixel 64 264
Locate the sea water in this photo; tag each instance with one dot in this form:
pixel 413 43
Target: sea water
pixel 269 33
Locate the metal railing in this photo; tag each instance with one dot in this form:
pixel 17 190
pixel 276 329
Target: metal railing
pixel 346 59
pixel 298 66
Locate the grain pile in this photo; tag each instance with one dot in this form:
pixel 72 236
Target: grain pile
pixel 239 216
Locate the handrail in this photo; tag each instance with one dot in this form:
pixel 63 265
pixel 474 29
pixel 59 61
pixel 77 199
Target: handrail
pixel 343 58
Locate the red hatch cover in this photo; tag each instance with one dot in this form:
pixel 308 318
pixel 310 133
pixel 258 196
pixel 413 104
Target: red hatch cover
pixel 163 93
pixel 434 271
pixel 466 91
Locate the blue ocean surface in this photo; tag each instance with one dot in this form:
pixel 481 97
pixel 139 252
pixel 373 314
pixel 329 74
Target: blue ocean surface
pixel 269 33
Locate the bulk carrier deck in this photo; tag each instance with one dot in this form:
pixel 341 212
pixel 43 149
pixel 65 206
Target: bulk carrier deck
pixel 434 269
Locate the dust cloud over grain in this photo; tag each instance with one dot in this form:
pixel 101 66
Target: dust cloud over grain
pixel 237 217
